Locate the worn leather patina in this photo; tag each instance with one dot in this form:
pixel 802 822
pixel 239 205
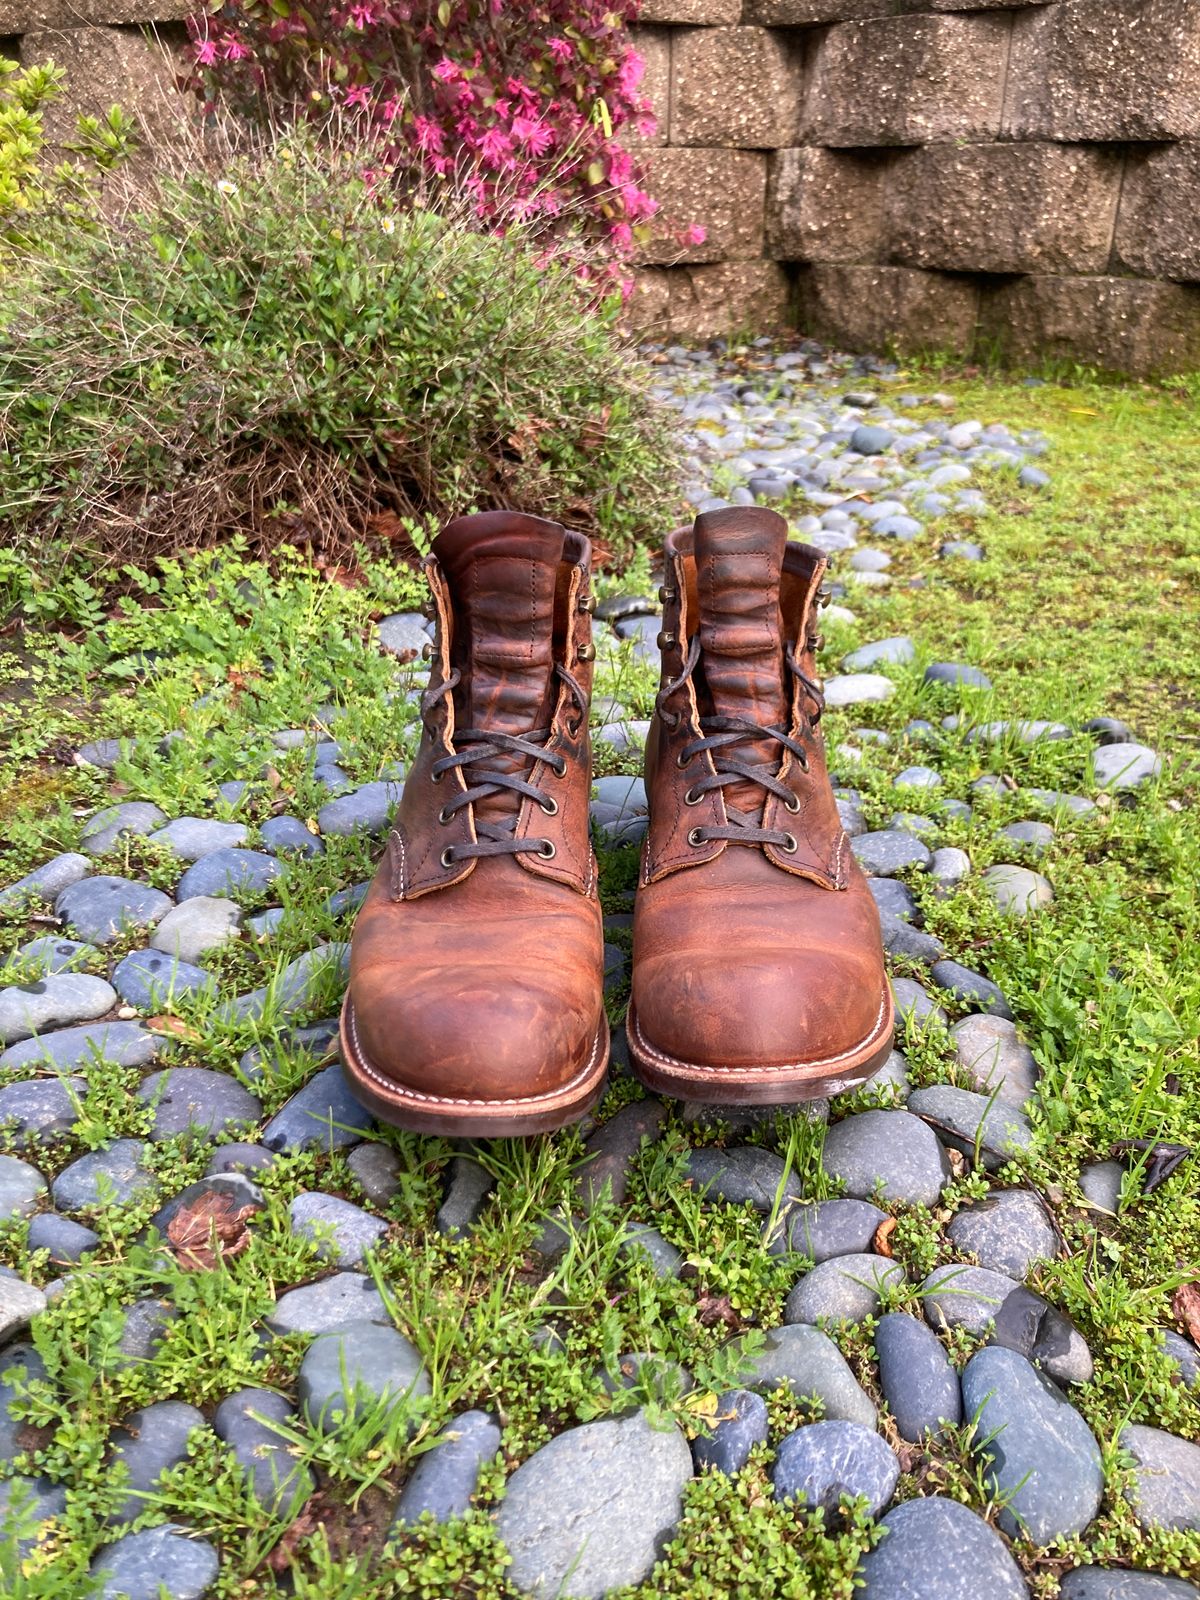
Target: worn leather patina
pixel 475 1001
pixel 758 970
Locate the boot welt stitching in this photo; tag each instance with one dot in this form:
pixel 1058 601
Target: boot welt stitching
pixel 786 1066
pixel 362 1065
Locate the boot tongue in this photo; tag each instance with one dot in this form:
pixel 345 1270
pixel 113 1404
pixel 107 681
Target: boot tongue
pixel 502 570
pixel 739 555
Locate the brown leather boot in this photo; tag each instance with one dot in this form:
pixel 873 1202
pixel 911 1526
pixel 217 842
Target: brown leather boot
pixel 758 972
pixel 475 1004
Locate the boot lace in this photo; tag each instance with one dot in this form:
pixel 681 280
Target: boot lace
pixel 719 734
pixel 478 746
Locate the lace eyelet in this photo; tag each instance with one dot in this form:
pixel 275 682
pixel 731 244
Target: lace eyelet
pixel 792 805
pixel 696 837
pixel 671 719
pixel 444 815
pixel 691 798
pixel 546 849
pixel 789 847
pixel 682 761
pixel 436 777
pixel 448 856
pixel 559 768
pixel 549 805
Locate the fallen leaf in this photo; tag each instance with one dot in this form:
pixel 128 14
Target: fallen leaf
pixel 883 1237
pixel 306 1522
pixel 714 1308
pixel 176 1027
pixel 1161 1159
pixel 1185 1303
pixel 207 1230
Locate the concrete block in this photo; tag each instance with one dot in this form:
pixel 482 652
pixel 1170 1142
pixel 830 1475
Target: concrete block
pixel 826 205
pixel 654 47
pixel 735 86
pixel 1119 324
pixel 33 16
pixel 872 308
pixel 702 13
pixel 1106 69
pixel 1158 230
pixel 107 66
pixel 802 13
pixel 722 190
pixel 648 309
pixel 908 80
pixel 1004 207
pixel 730 297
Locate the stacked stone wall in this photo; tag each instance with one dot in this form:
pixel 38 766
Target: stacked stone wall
pixel 952 174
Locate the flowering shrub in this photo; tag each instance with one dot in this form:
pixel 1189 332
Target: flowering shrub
pixel 526 102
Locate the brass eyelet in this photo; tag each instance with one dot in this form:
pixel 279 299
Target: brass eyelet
pixel 682 761
pixel 427 650
pixel 549 805
pixel 546 850
pixel 436 777
pixel 789 847
pixel 587 604
pixel 586 652
pixel 691 798
pixel 666 594
pixel 792 805
pixel 694 838
pixel 666 639
pixel 670 719
pixel 559 767
pixel 448 856
pixel 444 815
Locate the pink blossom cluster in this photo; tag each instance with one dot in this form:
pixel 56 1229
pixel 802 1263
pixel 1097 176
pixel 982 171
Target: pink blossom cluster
pixel 524 102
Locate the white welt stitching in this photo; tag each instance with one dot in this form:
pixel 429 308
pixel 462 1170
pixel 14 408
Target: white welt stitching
pixel 399 1092
pixel 787 1066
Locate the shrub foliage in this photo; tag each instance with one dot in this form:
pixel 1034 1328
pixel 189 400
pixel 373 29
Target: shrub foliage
pixel 278 353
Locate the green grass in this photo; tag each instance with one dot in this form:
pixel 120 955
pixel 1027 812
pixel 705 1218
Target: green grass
pixel 1086 605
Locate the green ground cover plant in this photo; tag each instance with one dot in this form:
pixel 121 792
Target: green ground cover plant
pixel 1085 605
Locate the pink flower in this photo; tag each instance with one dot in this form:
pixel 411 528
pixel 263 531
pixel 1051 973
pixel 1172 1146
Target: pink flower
pixel 391 109
pixel 235 50
pixel 206 53
pixel 695 234
pixel 630 72
pixel 362 15
pixel 359 95
pixel 561 49
pixel 496 148
pixel 447 71
pixel 533 133
pixel 621 234
pixel 429 135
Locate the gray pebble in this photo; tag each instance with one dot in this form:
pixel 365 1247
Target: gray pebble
pixel 894 651
pixel 745 1174
pixel 376 1168
pixel 324 1114
pixel 1008 1232
pixel 66 1241
pixel 965 1297
pixel 150 980
pixel 132 819
pixel 1017 891
pixel 47 882
pixel 845 1289
pixel 993 1058
pixel 41 1110
pixel 287 836
pixel 739 1423
pixel 918 1382
pixel 889 851
pixel 958 674
pixel 250 1421
pixel 148 1443
pixel 200 925
pixel 355 1366
pixel 344 1232
pixel 124 1044
pixel 101 909
pixel 197 1100
pixel 826 1229
pixel 229 872
pixel 330 1303
pixel 1166 1489
pixel 365 810
pixel 192 838
pixel 117 1175
pixel 444 1478
pixel 1122 767
pixel 812 1365
pixel 45 1003
pixel 936 1549
pixel 889 1151
pixel 825 1463
pixel 141 1566
pixel 468 1189
pixel 21 1187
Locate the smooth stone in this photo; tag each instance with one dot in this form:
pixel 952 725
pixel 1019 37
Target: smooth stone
pixel 1101 1184
pixel 915 1004
pixel 57 1001
pixel 917 778
pixel 66 1241
pixel 238 1157
pixel 1122 767
pixel 903 528
pixel 331 1302
pixel 826 1229
pixel 640 1372
pixel 192 838
pixel 1037 1450
pixel 913 822
pixel 317 1040
pixel 858 688
pixel 869 440
pixel 21 1187
pixel 1016 890
pixel 894 899
pixel 739 1423
pixel 1098 1583
pixel 870 563
pixel 936 1549
pixel 1026 731
pixel 965 1120
pixel 148 1443
pixel 888 851
pixel 229 871
pixel 1180 1352
pixel 404 634
pixel 1075 805
pixel 846 1289
pixel 197 1100
pixel 972 987
pixel 994 1059
pixel 1030 477
pixel 376 1169
pixel 102 753
pixel 811 1364
pixel 444 1479
pixel 149 980
pixel 1008 1232
pixel 893 651
pixel 356 1365
pixel 963 549
pixel 200 925
pixel 47 882
pixel 365 810
pixel 123 1044
pixel 1166 1488
pixel 892 1077
pixel 903 940
pixel 132 819
pixel 611 1151
pixel 41 1110
pixel 824 1463
pixel 115 1175
pixel 851 818
pixel 142 1565
pixel 1109 730
pixel 20 1302
pixel 323 1114
pixel 742 1175
pixel 344 1233
pixel 892 1152
pixel 234 1188
pixel 1035 836
pixel 1038 1331
pixel 49 955
pixel 288 836
pixel 918 1381
pixel 296 988
pixel 647 1243
pixel 19 1363
pixel 965 1297
pixel 469 1187
pixel 347 899
pixel 588 1512
pixel 101 909
pixel 959 674
pixel 949 866
pixel 244 1421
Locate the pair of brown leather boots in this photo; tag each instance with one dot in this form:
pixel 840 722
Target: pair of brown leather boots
pixel 475 1005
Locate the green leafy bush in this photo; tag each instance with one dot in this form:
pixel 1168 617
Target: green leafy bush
pixel 280 352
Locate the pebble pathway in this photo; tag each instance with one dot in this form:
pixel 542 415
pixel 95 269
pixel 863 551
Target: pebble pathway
pixel 589 1511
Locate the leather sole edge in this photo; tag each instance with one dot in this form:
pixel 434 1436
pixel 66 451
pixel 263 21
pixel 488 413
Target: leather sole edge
pixel 473 1119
